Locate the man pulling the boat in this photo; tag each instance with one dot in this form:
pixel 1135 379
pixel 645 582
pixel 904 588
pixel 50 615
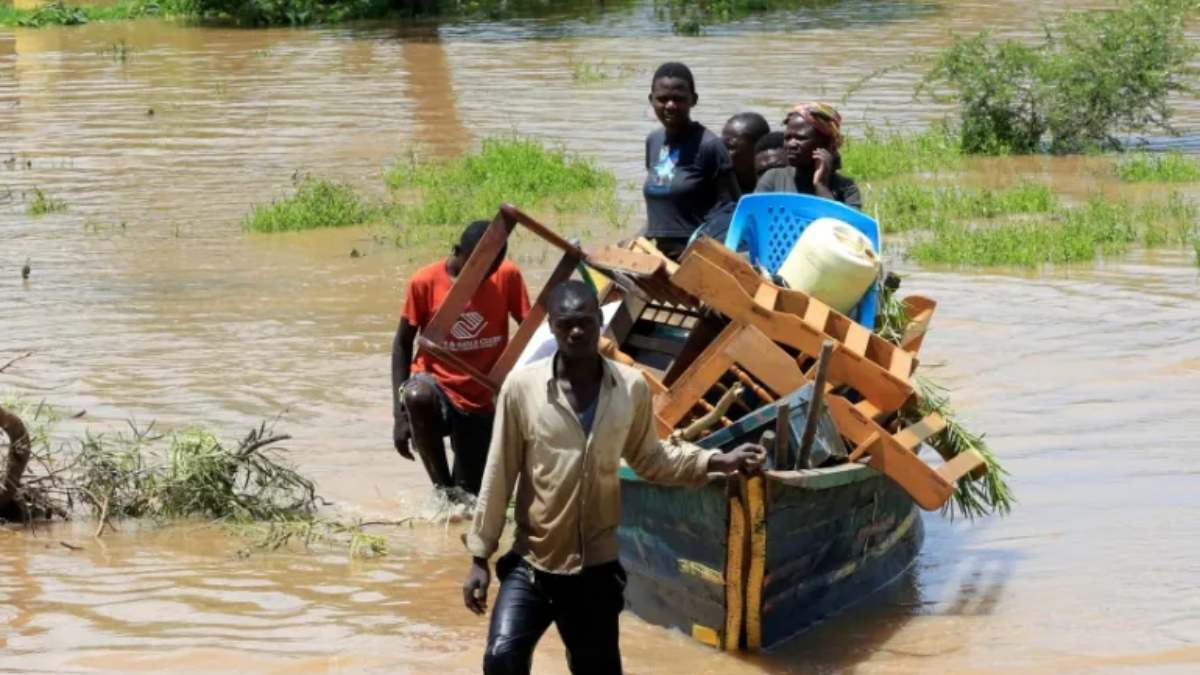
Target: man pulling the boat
pixel 562 427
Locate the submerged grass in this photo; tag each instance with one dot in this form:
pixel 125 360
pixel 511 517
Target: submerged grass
pixel 314 203
pixel 879 154
pixel 42 204
pixel 1171 167
pixel 436 194
pixel 903 207
pixel 1067 235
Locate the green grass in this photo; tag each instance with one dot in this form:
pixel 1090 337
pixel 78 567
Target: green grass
pixel 59 13
pixel 435 194
pixel 41 204
pixel 1172 167
pixel 315 203
pixel 885 154
pixel 1064 236
pixel 903 207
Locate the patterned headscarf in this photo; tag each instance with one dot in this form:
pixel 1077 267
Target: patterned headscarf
pixel 824 119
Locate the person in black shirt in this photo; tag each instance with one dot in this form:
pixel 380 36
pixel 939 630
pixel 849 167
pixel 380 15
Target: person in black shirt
pixel 688 170
pixel 740 134
pixel 812 139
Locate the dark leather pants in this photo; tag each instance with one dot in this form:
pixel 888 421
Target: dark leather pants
pixel 584 607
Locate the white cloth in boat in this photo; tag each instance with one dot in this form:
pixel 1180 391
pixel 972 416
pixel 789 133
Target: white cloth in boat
pixel 568 493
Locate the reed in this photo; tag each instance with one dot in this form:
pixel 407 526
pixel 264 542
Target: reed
pixel 1171 167
pixel 313 203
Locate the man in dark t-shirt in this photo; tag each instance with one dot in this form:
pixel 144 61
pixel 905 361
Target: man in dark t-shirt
pixel 688 170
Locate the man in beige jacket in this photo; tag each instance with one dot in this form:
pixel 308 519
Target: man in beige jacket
pixel 562 427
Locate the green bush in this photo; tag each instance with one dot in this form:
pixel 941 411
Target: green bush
pixel 315 203
pixel 1093 76
pixel 285 12
pixel 58 13
pixel 523 172
pixel 1172 167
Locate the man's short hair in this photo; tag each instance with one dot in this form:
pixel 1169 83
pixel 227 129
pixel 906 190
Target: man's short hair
pixel 754 126
pixel 771 141
pixel 677 71
pixel 570 294
pixel 471 235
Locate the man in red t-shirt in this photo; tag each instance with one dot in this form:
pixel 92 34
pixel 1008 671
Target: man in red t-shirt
pixel 432 399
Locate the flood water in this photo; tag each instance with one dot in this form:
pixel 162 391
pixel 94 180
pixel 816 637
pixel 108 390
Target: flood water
pixel 147 301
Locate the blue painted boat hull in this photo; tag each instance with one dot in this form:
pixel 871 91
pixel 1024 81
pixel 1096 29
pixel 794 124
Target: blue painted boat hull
pixel 833 537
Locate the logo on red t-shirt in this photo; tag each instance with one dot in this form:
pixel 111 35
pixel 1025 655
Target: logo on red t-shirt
pixel 468 326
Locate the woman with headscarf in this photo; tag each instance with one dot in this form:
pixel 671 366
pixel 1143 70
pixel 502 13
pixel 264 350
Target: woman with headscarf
pixel 812 137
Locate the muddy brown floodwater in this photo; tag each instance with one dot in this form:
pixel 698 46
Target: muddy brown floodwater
pixel 146 300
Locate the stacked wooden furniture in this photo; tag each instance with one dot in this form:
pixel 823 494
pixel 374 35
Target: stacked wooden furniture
pixel 746 563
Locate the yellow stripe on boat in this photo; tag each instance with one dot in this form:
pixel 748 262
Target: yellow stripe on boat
pixel 701 571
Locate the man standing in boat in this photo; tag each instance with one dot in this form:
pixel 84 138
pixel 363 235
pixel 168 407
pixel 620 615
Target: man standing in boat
pixel 562 427
pixel 432 399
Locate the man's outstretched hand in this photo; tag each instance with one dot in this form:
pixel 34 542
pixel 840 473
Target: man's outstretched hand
pixel 475 588
pixel 747 458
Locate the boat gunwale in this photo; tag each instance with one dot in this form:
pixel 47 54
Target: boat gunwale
pixel 826 478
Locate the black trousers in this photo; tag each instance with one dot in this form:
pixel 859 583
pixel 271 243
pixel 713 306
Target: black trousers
pixel 584 607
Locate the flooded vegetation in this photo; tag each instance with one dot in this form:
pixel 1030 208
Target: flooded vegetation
pixel 147 299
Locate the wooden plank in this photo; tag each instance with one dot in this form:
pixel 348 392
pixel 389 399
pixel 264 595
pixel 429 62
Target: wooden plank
pixel 701 335
pixel 691 386
pixel 759 356
pixel 716 253
pixel 719 290
pixel 756 511
pixel 857 338
pixel 450 358
pixel 631 262
pixel 766 295
pixel 817 314
pixel 537 313
pixel 912 436
pixel 920 312
pixel 865 447
pixel 902 364
pixel 734 573
pixel 927 488
pixel 469 278
pixel 963 464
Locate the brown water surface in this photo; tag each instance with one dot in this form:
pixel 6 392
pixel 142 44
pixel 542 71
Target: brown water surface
pixel 146 300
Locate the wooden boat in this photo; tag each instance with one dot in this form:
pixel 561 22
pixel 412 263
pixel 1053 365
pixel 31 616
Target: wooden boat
pixel 804 546
pixel 747 562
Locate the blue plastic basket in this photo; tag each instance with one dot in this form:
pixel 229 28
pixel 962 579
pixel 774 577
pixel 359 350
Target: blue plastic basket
pixel 767 226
